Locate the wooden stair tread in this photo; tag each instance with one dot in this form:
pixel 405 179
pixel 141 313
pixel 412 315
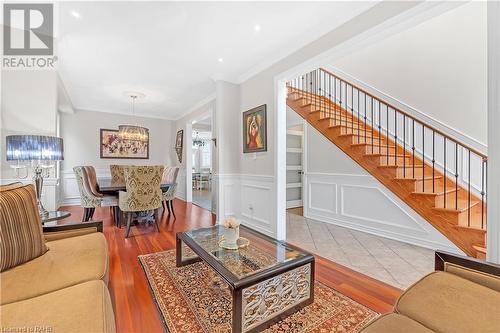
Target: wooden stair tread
pixel 385 155
pixel 480 248
pixel 463 205
pixel 418 178
pixel 436 192
pixel 407 166
pixel 365 143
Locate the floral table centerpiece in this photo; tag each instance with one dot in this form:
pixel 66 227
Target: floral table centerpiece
pixel 231 230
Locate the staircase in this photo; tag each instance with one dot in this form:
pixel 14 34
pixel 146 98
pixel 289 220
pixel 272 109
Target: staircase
pixel 442 179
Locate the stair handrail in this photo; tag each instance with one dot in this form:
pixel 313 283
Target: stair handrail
pixel 472 149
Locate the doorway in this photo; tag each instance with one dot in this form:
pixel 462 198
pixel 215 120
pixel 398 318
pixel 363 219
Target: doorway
pixel 295 152
pixel 201 161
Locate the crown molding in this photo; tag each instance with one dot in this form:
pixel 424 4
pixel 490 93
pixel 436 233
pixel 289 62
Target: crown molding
pixel 197 105
pixel 123 113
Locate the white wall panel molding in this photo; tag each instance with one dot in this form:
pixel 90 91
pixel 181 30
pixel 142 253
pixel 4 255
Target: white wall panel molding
pixel 354 195
pixel 366 205
pixel 257 194
pixel 322 197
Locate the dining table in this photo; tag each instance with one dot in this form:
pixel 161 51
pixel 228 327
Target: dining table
pixel 108 186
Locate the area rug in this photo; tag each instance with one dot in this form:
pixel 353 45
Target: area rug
pixel 194 299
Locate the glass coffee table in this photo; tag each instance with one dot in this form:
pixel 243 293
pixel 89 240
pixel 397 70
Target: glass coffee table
pixel 268 279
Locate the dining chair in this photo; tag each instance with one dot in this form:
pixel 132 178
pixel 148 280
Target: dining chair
pixel 90 197
pixel 143 192
pixel 205 179
pixel 117 173
pixel 170 177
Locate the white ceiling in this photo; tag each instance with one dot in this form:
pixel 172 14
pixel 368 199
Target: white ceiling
pixel 170 50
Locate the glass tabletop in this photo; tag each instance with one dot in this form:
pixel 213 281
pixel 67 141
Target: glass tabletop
pixel 262 252
pixel 55 215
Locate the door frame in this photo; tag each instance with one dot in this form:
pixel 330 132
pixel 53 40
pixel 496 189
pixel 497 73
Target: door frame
pixel 210 113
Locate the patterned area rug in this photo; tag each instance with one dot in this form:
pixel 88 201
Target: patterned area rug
pixel 194 299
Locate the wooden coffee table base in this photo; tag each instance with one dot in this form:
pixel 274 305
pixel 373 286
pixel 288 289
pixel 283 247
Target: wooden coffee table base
pixel 268 298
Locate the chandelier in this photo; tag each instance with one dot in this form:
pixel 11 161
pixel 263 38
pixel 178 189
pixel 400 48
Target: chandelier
pixel 197 141
pixel 133 132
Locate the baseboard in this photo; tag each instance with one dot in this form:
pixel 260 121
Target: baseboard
pixel 386 234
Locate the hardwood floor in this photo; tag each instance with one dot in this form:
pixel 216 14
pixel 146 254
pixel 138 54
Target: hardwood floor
pixel 135 310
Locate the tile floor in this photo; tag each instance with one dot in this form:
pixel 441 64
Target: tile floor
pixel 202 198
pixel 396 263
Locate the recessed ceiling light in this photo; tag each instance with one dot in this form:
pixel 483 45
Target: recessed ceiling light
pixel 220 60
pixel 256 27
pixel 75 14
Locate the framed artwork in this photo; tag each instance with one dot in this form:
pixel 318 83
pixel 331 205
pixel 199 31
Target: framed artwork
pixel 113 147
pixel 178 139
pixel 255 130
pixel 178 144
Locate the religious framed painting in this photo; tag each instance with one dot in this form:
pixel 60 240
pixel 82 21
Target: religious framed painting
pixel 112 146
pixel 255 130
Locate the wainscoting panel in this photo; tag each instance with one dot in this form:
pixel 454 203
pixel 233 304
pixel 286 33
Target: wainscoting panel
pixel 362 203
pixel 323 197
pixel 69 193
pixel 256 201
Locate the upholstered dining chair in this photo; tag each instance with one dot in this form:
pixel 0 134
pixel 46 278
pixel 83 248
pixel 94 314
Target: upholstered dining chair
pixel 117 173
pixel 90 197
pixel 170 176
pixel 143 192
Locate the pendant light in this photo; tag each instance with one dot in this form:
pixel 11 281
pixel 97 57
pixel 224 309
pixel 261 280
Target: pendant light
pixel 133 132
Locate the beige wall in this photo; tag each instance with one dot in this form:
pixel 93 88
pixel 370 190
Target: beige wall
pixel 438 67
pixel 81 131
pixel 180 124
pixel 28 106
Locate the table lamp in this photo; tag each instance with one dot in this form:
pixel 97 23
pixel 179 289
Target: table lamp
pixel 34 148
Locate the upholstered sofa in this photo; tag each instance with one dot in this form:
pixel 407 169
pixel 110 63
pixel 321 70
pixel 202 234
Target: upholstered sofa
pixel 50 281
pixel 462 295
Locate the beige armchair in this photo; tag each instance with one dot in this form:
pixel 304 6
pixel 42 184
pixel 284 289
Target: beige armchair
pixel 170 177
pixel 143 192
pixel 117 173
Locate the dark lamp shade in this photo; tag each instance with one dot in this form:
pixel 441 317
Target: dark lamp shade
pixel 34 148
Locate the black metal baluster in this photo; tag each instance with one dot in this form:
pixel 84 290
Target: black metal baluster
pixel 387 132
pixel 352 109
pixel 335 101
pixel 311 88
pixel 379 128
pixel 423 158
pixel 483 162
pixel 395 137
pixel 365 120
pixel 321 96
pixel 485 190
pixel 444 171
pixel 456 175
pixel 413 146
pixel 373 122
pixel 357 125
pixel 330 97
pixel 468 198
pixel 433 161
pixel 345 105
pixel 404 145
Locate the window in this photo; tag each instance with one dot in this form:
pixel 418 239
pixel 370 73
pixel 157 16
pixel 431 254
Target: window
pixel 206 156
